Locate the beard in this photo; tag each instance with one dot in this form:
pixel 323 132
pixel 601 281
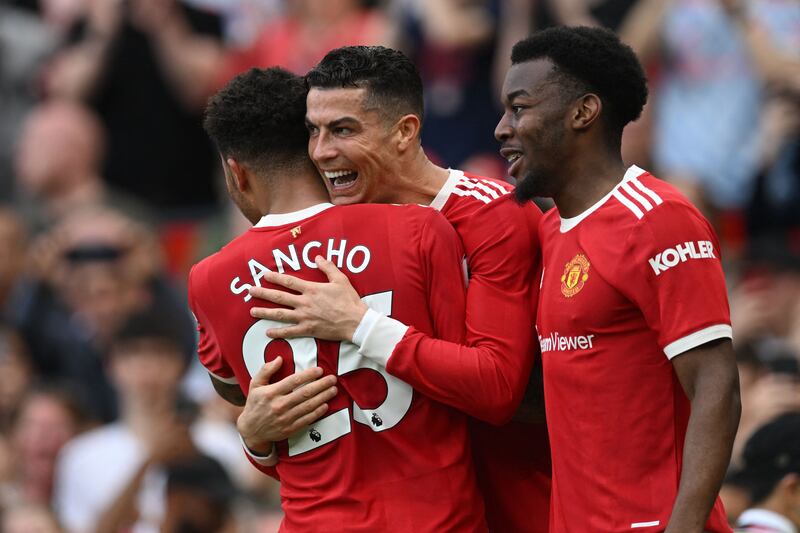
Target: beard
pixel 533 185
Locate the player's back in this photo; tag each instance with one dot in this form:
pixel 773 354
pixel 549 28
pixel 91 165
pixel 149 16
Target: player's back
pixel 383 458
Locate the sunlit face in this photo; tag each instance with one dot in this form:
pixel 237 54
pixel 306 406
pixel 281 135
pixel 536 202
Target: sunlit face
pixel 351 146
pixel 532 129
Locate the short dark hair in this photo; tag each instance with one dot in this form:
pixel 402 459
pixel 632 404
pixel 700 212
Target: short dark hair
pixel 259 118
pixel 391 79
pixel 591 60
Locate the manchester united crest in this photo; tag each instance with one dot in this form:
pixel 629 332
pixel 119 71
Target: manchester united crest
pixel 576 272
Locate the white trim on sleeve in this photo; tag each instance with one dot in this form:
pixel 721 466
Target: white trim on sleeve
pixel 269 460
pixel 366 324
pixel 382 338
pixel 698 338
pixel 229 381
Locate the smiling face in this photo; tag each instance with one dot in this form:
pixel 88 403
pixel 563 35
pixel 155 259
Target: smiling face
pixel 352 146
pixel 533 128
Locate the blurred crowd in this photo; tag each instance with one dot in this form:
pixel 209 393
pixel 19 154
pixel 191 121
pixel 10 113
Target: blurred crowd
pixel 110 190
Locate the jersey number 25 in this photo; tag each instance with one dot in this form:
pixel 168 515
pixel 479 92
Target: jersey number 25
pixel 304 351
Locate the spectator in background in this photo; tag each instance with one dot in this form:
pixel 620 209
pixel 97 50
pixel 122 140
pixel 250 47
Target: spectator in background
pixel 454 44
pixel 243 19
pixel 29 519
pixel 608 13
pixel 305 33
pixel 766 301
pixel 771 386
pixel 94 269
pixel 200 495
pixel 49 416
pixel 25 43
pixel 121 64
pixel 58 162
pixel 771 476
pixel 146 363
pixel 765 313
pixel 777 58
pixel 17 371
pixel 13 250
pixel 709 96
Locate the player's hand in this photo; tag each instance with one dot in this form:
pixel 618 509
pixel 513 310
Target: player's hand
pixel 275 411
pixel 330 311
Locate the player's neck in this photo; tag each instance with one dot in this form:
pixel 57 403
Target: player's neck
pixel 585 182
pixel 302 191
pixel 417 181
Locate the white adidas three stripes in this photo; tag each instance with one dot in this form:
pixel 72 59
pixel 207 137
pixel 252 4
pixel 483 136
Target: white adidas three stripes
pixel 635 199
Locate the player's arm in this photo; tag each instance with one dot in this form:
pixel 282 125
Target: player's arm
pixel 486 375
pixel 672 270
pixel 230 392
pixel 710 379
pixel 274 411
pixel 208 350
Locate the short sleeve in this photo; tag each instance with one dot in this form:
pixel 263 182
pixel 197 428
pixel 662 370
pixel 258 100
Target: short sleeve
pixel 208 350
pixel 672 270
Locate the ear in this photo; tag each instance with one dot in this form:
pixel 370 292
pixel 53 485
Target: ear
pixel 238 174
pixel 408 128
pixel 586 111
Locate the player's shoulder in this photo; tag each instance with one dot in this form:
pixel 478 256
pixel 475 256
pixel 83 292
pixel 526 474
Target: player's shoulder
pixel 641 200
pixel 403 222
pixel 661 222
pixel 481 191
pixel 465 192
pixel 469 180
pixel 200 270
pixel 391 210
pixel 401 217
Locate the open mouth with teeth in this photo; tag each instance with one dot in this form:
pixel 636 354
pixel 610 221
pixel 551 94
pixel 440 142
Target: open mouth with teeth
pixel 514 158
pixel 341 179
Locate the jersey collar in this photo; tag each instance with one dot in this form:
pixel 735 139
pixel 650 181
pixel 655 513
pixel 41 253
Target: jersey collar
pixel 447 189
pixel 569 223
pixel 269 221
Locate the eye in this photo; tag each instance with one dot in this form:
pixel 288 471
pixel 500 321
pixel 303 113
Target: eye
pixel 342 131
pixel 312 130
pixel 517 109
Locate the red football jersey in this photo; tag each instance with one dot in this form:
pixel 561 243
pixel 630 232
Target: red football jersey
pixel 384 458
pixel 487 376
pixel 629 284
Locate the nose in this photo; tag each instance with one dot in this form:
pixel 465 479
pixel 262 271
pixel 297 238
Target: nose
pixel 502 131
pixel 321 147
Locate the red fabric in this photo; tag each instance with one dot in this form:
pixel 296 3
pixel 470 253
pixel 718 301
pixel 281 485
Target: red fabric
pixel 486 377
pixel 616 411
pixel 404 465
